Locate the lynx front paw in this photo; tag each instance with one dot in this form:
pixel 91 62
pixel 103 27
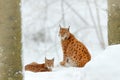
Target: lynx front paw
pixel 62 63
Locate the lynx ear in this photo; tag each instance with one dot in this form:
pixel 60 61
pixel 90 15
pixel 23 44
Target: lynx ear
pixel 68 28
pixel 45 58
pixel 59 25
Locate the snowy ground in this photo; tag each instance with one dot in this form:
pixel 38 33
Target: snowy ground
pixel 103 67
pixel 40 20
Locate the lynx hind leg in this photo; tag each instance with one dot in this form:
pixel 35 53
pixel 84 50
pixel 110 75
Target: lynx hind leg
pixel 82 63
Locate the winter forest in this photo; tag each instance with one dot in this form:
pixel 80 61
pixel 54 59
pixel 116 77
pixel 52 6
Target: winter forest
pixel 29 32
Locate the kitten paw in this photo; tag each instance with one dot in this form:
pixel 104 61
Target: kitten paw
pixel 62 63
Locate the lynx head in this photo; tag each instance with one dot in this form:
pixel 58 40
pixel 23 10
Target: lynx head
pixel 49 63
pixel 64 33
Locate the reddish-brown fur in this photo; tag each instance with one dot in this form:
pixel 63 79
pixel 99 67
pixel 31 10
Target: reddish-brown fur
pixel 74 52
pixel 35 67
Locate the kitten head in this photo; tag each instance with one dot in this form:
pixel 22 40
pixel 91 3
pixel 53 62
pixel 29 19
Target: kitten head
pixel 64 33
pixel 49 63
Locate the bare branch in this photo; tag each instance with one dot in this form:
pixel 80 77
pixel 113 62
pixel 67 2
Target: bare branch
pixel 81 29
pixel 44 23
pixel 80 17
pixel 91 15
pixel 100 35
pixel 95 25
pixel 63 12
pixel 52 2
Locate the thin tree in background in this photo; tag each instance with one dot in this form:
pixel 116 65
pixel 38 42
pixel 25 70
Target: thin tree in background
pixel 63 13
pixel 10 40
pixel 99 27
pixel 113 22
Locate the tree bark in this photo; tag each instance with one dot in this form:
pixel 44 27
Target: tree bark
pixel 10 40
pixel 113 22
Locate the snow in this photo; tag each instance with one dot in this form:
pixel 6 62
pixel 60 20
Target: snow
pixel 40 20
pixel 103 67
pixel 64 74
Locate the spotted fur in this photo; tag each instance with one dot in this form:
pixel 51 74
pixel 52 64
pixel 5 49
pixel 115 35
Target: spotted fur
pixel 35 67
pixel 74 52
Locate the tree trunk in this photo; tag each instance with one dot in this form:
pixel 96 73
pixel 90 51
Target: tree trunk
pixel 113 22
pixel 10 40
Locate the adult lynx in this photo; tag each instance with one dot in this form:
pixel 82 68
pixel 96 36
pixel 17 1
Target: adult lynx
pixel 74 52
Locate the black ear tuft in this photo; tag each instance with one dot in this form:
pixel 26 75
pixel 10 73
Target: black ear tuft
pixel 68 28
pixel 45 58
pixel 59 25
pixel 53 59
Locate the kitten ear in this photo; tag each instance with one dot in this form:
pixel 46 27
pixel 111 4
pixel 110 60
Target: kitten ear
pixel 68 28
pixel 53 59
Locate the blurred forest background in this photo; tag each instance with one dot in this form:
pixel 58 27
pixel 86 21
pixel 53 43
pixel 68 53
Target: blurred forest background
pixel 41 19
pixel 89 20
